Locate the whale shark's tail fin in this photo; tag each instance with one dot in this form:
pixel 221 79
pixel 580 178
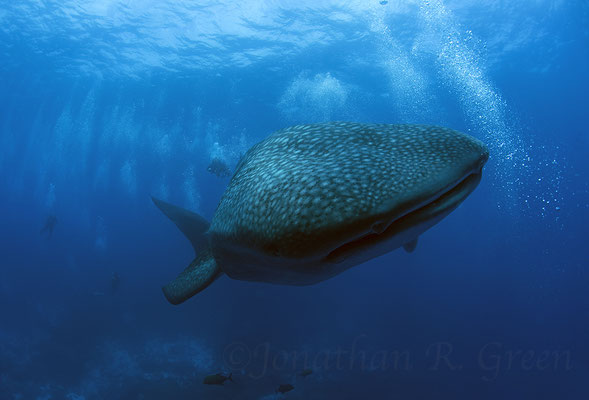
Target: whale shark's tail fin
pixel 203 270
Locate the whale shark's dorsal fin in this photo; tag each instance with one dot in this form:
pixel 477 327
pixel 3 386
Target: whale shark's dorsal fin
pixel 203 270
pixel 192 225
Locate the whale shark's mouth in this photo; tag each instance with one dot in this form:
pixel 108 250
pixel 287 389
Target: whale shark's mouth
pixel 427 214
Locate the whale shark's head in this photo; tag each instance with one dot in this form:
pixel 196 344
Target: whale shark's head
pixel 313 200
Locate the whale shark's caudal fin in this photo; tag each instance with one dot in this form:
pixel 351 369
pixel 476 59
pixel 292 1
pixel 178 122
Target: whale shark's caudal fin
pixel 203 270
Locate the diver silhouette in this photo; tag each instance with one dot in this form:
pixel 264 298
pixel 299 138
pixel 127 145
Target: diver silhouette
pixel 115 281
pixel 49 226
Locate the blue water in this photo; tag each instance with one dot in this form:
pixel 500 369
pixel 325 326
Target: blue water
pixel 103 103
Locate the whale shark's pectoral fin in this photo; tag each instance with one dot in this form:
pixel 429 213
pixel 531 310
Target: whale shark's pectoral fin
pixel 201 272
pixel 410 246
pixel 192 225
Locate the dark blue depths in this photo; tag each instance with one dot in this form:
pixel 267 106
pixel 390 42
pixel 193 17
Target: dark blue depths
pixel 97 114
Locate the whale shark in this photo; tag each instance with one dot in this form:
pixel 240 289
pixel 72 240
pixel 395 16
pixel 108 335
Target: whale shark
pixel 311 201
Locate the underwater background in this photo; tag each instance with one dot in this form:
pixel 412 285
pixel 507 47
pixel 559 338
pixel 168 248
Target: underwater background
pixel 104 103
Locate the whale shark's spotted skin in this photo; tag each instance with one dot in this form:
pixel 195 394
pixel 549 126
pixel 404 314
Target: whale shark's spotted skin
pixel 293 189
pixel 311 201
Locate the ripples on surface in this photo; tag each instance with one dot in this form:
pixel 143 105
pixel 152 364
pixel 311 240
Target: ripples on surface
pixel 421 54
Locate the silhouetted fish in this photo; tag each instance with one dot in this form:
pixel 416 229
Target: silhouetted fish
pixel 285 387
pixel 216 379
pixel 306 372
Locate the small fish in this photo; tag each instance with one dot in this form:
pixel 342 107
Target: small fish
pixel 285 387
pixel 219 167
pixel 216 379
pixel 384 2
pixel 306 372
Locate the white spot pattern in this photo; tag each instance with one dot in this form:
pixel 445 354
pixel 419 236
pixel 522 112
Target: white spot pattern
pixel 312 183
